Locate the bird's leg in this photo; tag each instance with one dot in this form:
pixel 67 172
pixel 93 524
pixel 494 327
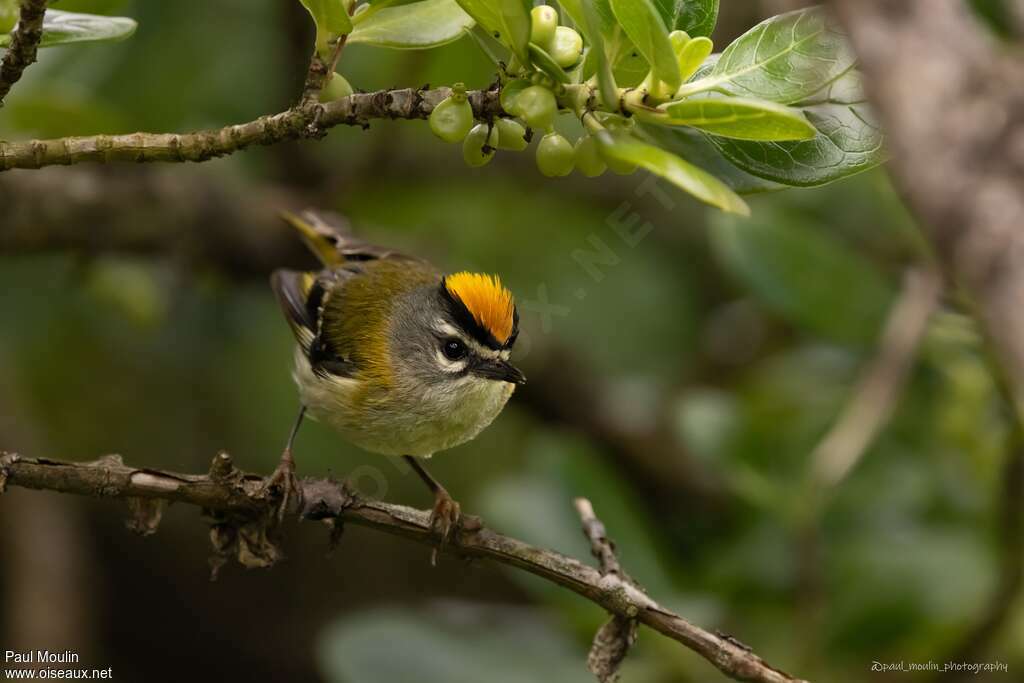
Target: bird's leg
pixel 446 515
pixel 284 475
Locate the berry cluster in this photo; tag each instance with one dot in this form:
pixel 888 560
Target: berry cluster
pixel 530 96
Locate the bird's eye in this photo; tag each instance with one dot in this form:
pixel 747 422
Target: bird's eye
pixel 453 349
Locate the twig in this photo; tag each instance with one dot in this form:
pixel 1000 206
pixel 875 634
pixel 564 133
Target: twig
pixel 320 69
pixel 241 508
pixel 303 121
pixel 614 639
pixel 24 41
pixel 881 383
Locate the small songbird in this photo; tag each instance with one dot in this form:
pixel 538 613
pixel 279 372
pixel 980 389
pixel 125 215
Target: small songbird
pixel 398 358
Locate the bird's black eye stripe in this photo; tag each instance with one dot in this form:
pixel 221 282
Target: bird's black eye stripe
pixel 453 348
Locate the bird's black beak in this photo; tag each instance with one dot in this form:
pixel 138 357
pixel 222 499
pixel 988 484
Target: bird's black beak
pixel 500 370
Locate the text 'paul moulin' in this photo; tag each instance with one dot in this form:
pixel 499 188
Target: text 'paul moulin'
pixel 40 657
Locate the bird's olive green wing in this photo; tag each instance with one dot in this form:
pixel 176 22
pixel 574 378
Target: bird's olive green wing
pixel 302 296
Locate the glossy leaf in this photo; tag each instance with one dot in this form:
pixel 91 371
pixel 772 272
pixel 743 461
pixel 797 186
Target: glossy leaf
pixel 694 55
pixel 695 147
pixel 785 59
pixel 508 21
pixel 418 25
pixel 737 117
pixel 643 24
pixel 546 63
pixel 62 28
pixel 848 141
pixel 784 261
pixel 331 19
pixel 680 173
pixel 696 17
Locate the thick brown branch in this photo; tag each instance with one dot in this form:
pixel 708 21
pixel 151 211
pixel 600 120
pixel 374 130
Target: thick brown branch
pixel 952 104
pixel 304 121
pixel 230 492
pixel 24 41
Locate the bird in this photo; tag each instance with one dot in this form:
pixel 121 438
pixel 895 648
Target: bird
pixel 398 357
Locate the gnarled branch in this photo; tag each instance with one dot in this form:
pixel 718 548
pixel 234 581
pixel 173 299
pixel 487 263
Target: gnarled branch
pixel 303 121
pixel 24 41
pixel 245 513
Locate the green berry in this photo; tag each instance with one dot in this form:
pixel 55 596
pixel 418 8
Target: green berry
pixel 567 47
pixel 543 22
pixel 473 147
pixel 336 88
pixel 9 14
pixel 511 135
pixel 537 106
pixel 587 157
pixel 554 155
pixel 452 118
pixel 510 93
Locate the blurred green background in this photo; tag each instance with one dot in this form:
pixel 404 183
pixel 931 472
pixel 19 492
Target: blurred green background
pixel 683 391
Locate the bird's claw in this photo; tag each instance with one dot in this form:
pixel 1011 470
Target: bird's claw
pixel 445 519
pixel 285 480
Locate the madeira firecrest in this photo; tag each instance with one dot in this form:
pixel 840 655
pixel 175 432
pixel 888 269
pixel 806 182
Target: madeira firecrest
pixel 398 358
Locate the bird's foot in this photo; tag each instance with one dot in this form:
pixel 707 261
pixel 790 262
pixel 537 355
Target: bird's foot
pixel 445 519
pixel 284 480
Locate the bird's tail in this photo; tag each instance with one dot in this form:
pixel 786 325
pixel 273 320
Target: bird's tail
pixel 326 235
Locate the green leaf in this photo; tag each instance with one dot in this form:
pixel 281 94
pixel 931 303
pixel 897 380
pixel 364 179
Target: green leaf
pixel 693 55
pixel 331 19
pixel 696 17
pixel 506 20
pixel 695 147
pixel 848 141
pixel 785 59
pixel 586 17
pixel 682 174
pixel 805 274
pixel 546 63
pixel 418 25
pixel 645 27
pixel 62 28
pixel 736 117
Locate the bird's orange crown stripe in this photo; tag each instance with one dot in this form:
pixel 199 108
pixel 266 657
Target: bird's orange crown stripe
pixel 489 302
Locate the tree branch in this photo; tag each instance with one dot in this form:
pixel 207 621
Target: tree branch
pixel 243 527
pixel 302 121
pixel 613 640
pixel 22 50
pixel 952 104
